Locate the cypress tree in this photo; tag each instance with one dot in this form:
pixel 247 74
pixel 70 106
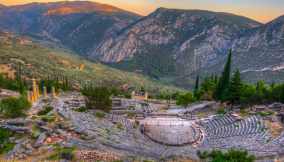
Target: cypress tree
pixel 224 82
pixel 235 87
pixel 196 88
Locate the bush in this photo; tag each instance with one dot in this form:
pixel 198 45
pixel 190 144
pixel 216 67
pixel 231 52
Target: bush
pixel 221 111
pixel 81 109
pixel 45 110
pixel 229 156
pixel 185 99
pixel 119 126
pixel 97 98
pixel 100 114
pixel 14 107
pixel 48 118
pixel 5 144
pixel 63 153
pixel 16 85
pixel 265 113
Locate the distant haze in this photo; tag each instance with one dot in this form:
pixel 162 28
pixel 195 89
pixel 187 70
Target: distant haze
pixel 260 10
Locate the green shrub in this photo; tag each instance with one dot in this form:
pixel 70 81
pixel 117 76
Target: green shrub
pixel 221 111
pixel 45 110
pixel 265 113
pixel 14 107
pixel 5 144
pixel 119 126
pixel 100 114
pixel 185 99
pixel 35 131
pixel 229 156
pixel 62 153
pixel 16 85
pixel 48 118
pixel 81 109
pixel 97 98
pixel 130 114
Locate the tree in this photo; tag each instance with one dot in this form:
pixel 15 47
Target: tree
pixel 97 98
pixel 14 107
pixel 224 82
pixel 236 87
pixel 208 88
pixel 248 95
pixel 185 99
pixel 196 88
pixel 229 156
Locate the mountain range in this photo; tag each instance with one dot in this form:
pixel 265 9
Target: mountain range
pixel 170 45
pixel 79 26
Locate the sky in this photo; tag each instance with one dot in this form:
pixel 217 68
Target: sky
pixel 260 10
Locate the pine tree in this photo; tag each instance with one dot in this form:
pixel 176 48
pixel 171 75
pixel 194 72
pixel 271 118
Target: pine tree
pixel 235 87
pixel 224 82
pixel 196 88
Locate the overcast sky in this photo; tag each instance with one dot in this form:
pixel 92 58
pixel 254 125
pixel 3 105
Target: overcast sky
pixel 261 10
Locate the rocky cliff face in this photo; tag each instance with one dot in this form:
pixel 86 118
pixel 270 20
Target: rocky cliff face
pixel 79 26
pixel 190 39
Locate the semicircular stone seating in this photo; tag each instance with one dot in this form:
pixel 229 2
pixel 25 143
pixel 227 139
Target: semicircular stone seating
pixel 224 132
pixel 173 133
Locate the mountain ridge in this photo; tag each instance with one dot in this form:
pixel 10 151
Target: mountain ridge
pixel 168 44
pixel 176 29
pixel 66 23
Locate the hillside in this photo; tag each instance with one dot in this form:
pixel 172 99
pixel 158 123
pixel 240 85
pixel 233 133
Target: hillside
pixel 40 61
pixel 258 53
pixel 78 25
pixel 171 43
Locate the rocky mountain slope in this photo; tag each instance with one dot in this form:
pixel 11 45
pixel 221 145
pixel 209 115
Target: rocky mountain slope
pixel 170 45
pixel 174 42
pixel 41 62
pixel 78 25
pixel 176 45
pixel 258 53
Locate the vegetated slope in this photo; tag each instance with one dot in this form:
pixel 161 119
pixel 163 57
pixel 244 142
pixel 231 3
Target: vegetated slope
pixel 258 53
pixel 170 43
pixel 39 61
pixel 77 25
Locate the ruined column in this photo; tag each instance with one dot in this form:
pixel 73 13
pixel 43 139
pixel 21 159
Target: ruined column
pixel 146 95
pixel 34 93
pixel 132 94
pixel 29 97
pixel 44 92
pixel 53 92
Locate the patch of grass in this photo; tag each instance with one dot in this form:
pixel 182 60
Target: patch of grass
pixel 45 110
pixel 100 114
pixel 35 131
pixel 81 109
pixel 244 112
pixel 48 118
pixel 62 153
pixel 265 113
pixel 130 115
pixel 119 126
pixel 221 111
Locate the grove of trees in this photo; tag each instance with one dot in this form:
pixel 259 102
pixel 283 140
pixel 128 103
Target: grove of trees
pixel 229 87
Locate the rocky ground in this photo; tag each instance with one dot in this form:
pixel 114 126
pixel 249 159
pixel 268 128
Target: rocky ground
pixel 87 135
